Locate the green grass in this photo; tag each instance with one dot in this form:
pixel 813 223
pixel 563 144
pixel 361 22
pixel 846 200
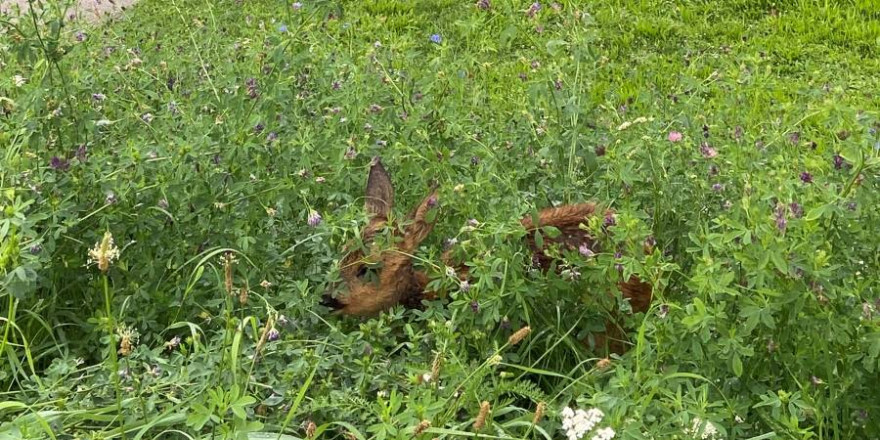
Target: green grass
pixel 764 322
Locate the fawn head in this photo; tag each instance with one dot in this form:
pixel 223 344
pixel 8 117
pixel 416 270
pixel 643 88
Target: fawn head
pixel 382 276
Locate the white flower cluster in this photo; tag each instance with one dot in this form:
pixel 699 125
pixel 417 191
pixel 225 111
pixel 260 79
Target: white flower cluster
pixel 701 429
pixel 579 422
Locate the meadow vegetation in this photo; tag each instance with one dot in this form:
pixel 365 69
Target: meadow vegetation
pixel 177 187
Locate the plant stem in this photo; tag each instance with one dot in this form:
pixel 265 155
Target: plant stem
pixel 114 361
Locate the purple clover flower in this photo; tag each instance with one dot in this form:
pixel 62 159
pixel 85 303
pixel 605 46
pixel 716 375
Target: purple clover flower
pixel 314 219
pixel 585 250
pixel 838 161
pixel 59 164
pixel 619 266
pixel 81 153
pixel 708 151
pixel 610 220
pixel 533 10
pixel 273 335
pixel 781 220
pixel 252 88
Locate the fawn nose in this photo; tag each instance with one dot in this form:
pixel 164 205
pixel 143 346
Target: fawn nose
pixel 327 300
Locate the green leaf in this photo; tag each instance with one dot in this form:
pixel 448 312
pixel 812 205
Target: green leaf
pixel 199 417
pixel 737 365
pixel 13 405
pixel 818 212
pixel 874 348
pixel 778 262
pixel 552 231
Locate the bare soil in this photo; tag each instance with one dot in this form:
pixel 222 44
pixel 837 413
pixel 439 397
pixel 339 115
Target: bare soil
pixel 90 11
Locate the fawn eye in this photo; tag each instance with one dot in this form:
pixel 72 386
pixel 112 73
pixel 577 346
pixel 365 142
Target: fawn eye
pixel 362 272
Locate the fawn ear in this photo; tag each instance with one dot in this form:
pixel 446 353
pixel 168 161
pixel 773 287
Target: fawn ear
pixel 421 223
pixel 379 193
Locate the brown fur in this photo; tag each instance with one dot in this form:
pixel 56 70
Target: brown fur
pixel 567 219
pixel 396 281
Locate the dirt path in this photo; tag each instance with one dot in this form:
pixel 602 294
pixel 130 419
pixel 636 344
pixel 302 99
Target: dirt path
pixel 87 10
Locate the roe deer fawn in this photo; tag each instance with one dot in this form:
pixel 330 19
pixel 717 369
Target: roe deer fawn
pixel 395 281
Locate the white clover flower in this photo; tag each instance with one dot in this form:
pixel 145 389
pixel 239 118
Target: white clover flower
pixel 704 429
pixel 604 434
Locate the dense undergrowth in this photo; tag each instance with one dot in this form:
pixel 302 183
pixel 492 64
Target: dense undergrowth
pixel 225 146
